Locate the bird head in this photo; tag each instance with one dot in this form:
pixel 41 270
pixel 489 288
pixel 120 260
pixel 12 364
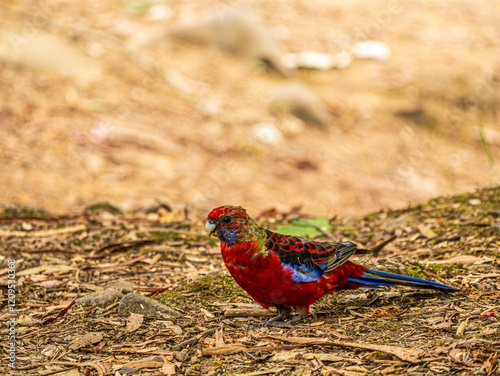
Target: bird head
pixel 230 224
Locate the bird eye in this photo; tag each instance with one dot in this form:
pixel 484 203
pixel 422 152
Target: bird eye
pixel 226 219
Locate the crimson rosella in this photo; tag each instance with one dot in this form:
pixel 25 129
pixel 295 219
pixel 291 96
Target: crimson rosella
pixel 288 272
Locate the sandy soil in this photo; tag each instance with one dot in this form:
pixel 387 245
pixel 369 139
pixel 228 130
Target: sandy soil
pixel 90 113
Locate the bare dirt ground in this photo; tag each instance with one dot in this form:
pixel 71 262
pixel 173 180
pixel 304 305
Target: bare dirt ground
pixel 90 113
pixel 61 260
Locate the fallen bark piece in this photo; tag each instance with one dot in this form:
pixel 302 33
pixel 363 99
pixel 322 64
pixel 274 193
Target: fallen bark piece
pixel 85 340
pixel 406 354
pixel 224 350
pixel 462 259
pixel 264 372
pixel 287 355
pixel 181 356
pixel 168 368
pixel 333 371
pixel 134 321
pixel 426 231
pixel 233 349
pixel 337 334
pixel 283 356
pixel 149 362
pixel 96 365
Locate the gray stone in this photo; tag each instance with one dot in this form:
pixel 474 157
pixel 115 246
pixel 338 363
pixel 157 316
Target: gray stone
pixel 303 103
pixel 238 32
pixel 44 51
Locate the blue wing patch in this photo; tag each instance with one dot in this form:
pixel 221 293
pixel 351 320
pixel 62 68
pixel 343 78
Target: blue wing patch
pixel 303 273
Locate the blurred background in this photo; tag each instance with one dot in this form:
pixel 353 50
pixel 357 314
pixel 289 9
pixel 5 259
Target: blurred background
pixel 338 107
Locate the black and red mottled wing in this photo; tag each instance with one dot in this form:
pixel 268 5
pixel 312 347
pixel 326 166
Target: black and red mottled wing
pixel 308 260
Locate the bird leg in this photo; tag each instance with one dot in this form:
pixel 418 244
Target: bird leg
pixel 277 321
pixel 283 324
pixel 302 311
pixel 283 311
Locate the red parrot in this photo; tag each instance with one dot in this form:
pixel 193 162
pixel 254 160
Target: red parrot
pixel 288 272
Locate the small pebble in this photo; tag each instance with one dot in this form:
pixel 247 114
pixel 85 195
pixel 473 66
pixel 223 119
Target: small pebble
pixel 27 226
pixel 267 133
pixel 159 12
pixel 371 49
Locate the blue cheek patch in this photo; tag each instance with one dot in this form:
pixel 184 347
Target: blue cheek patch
pixel 303 273
pixel 230 236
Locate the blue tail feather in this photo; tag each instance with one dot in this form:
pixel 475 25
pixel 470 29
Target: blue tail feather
pixel 374 279
pixel 366 282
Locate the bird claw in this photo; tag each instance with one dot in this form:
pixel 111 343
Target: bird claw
pixel 276 324
pixel 254 325
pixel 279 324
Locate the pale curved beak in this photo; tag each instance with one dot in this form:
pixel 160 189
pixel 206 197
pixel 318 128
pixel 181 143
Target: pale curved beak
pixel 211 228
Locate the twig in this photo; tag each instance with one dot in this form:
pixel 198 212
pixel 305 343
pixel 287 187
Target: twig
pixel 42 233
pixel 109 248
pixel 60 371
pixel 378 247
pixel 406 354
pixel 157 291
pixel 194 340
pixel 61 313
pixel 97 366
pixel 120 265
pixel 234 348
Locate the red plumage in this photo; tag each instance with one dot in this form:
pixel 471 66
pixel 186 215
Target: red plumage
pixel 288 272
pixel 271 285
